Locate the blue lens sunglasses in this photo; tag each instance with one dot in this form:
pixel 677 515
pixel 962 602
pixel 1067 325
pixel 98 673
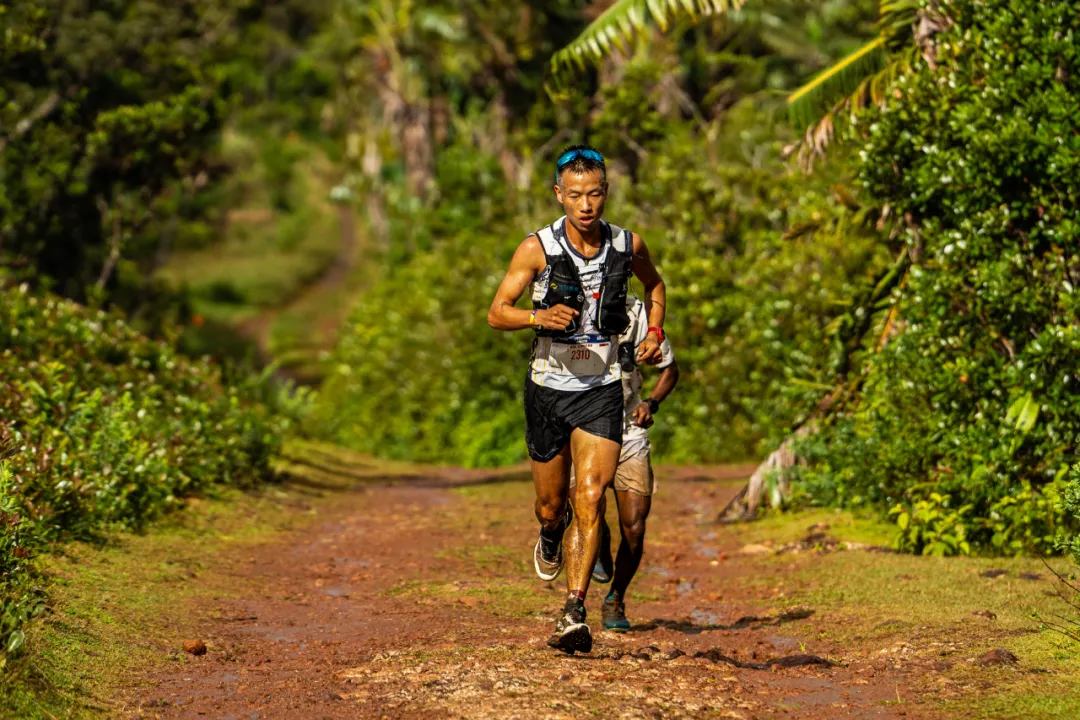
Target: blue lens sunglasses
pixel 568 157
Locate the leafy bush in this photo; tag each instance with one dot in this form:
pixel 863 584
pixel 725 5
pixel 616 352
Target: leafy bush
pixel 932 527
pixel 418 373
pixel 975 397
pixel 103 428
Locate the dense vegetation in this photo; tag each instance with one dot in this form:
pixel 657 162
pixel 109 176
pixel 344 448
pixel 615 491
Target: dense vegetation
pixel 102 428
pixel 697 167
pixel 111 118
pixel 969 416
pixel 909 304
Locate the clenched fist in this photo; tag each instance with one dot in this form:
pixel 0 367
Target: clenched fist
pixel 556 318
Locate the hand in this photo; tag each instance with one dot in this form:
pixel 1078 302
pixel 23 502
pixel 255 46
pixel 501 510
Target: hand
pixel 643 416
pixel 649 350
pixel 556 318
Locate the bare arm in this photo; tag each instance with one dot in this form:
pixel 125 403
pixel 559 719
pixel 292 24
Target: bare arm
pixel 669 377
pixel 655 300
pixel 527 263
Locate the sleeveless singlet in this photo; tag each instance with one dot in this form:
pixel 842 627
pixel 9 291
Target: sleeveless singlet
pixel 587 359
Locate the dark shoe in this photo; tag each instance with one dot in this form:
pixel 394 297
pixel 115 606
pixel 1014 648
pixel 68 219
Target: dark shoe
pixel 605 566
pixel 571 633
pixel 614 615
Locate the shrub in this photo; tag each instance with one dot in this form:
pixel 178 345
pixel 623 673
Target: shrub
pixel 103 428
pixel 975 398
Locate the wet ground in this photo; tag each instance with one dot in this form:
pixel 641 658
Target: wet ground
pixel 421 602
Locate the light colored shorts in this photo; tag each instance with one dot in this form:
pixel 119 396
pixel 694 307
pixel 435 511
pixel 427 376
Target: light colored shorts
pixel 634 474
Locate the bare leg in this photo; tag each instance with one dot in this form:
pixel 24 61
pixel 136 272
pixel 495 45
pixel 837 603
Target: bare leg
pixel 633 511
pixel 595 460
pixel 551 480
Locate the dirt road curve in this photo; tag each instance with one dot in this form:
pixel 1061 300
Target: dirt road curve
pixel 421 602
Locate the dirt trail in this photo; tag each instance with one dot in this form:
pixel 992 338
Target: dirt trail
pixel 258 329
pixel 421 602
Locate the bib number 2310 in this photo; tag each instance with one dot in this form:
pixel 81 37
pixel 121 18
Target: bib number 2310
pixel 584 358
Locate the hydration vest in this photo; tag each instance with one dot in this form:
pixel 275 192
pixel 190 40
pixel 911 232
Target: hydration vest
pixel 560 284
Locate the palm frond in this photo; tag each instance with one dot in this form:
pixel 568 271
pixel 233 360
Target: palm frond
pixel 627 19
pixel 896 18
pixel 871 90
pixel 846 77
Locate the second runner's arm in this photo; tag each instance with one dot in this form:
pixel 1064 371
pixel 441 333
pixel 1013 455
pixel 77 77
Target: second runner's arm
pixel 665 383
pixel 655 301
pixel 528 261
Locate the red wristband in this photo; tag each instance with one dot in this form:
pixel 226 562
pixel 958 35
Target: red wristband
pixel 659 333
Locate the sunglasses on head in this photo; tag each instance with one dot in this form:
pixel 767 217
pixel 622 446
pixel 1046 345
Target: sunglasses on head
pixel 570 156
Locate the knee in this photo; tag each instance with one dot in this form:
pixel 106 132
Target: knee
pixel 550 511
pixel 590 493
pixel 634 532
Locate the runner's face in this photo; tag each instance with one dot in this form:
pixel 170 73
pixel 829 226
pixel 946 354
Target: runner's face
pixel 582 196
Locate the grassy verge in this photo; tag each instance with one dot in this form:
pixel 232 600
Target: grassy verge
pixel 932 616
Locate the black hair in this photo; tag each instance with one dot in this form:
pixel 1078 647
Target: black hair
pixel 580 164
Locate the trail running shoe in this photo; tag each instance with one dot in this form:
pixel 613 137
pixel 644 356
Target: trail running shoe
pixel 614 614
pixel 548 555
pixel 547 558
pixel 571 633
pixel 605 566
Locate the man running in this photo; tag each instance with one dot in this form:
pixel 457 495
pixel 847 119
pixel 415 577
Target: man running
pixel 580 268
pixel 634 481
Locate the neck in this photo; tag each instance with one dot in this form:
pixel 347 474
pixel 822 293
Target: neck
pixel 581 240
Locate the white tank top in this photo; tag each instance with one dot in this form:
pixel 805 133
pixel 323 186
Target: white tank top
pixel 586 360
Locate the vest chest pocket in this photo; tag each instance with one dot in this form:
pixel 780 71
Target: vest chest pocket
pixel 583 359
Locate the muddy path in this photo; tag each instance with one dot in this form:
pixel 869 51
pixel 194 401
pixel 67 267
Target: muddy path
pixel 420 601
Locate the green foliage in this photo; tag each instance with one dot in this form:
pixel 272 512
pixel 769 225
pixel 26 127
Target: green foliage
pixel 932 527
pixel 418 374
pixel 626 19
pixel 755 312
pixel 109 126
pixel 974 395
pixel 754 309
pixel 102 428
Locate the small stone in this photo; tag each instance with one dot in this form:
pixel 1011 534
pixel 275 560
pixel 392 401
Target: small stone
pixel 998 657
pixel 676 653
pixel 566 677
pixel 755 549
pixel 195 647
pixel 986 614
pixel 1030 576
pixel 992 573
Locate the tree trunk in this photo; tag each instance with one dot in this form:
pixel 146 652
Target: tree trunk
pixel 416 142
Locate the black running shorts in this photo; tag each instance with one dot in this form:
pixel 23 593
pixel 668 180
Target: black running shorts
pixel 551 415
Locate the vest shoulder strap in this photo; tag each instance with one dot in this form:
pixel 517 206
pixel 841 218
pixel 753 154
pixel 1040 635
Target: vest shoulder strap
pixel 551 246
pixel 621 240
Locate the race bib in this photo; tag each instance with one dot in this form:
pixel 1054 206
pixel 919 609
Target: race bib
pixel 584 358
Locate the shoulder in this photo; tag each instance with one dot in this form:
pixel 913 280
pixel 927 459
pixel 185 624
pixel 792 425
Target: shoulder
pixel 530 252
pixel 639 244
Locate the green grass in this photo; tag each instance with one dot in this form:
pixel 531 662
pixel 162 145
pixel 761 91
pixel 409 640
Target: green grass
pixel 870 602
